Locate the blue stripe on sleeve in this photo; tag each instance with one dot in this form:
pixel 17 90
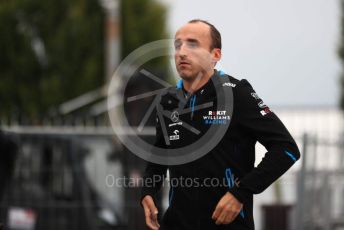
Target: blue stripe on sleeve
pixel 290 155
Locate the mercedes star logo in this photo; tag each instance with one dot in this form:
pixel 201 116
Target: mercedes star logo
pixel 175 116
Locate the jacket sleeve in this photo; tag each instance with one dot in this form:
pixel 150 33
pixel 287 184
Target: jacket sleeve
pixel 261 124
pixel 154 174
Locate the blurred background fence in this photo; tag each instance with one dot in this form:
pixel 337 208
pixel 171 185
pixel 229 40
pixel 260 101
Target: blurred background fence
pixel 66 179
pixel 320 185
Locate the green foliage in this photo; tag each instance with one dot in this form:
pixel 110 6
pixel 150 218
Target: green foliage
pixel 67 60
pixel 341 56
pixel 52 51
pixel 142 22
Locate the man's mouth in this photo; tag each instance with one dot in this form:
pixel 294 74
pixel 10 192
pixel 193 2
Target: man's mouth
pixel 184 63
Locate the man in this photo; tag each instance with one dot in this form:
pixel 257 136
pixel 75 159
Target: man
pixel 197 50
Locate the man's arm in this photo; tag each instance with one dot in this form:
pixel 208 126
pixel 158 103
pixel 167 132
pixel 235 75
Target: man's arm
pixel 154 173
pixel 263 125
pixel 153 180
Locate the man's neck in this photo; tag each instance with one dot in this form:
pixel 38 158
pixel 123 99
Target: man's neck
pixel 199 81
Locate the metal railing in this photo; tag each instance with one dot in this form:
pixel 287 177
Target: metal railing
pixel 320 185
pixel 60 178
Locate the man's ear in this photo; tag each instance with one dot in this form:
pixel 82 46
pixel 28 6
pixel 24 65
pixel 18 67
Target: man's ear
pixel 216 54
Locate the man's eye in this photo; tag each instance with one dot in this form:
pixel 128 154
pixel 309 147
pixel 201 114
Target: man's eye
pixel 192 44
pixel 177 44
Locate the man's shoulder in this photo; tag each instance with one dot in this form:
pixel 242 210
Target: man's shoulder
pixel 238 84
pixel 233 79
pixel 242 90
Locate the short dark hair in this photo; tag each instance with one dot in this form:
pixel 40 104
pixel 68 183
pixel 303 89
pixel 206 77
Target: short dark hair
pixel 214 33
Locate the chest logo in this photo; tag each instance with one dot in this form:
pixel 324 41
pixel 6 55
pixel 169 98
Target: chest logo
pixel 216 117
pixel 175 136
pixel 175 116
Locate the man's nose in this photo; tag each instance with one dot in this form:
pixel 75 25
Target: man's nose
pixel 182 51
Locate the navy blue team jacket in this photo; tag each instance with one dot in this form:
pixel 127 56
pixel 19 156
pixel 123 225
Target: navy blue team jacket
pixel 228 167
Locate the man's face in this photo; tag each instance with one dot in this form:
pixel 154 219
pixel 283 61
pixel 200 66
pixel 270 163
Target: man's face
pixel 192 50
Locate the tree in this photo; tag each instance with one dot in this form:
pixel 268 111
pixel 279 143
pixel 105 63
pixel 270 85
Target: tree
pixel 141 22
pixel 341 56
pixel 52 51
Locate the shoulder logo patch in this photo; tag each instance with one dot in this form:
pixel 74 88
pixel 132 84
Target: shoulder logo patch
pixel 228 84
